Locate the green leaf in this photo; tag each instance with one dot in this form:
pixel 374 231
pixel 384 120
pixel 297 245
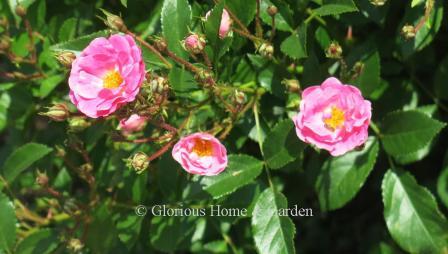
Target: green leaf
pixel 241 170
pixel 295 45
pixel 44 241
pixel 19 46
pixel 281 145
pixel 416 2
pixel 442 182
pixel 5 101
pixel 244 10
pixel 7 224
pixel 322 37
pixel 406 132
pixel 169 234
pixel 78 44
pixel 213 23
pixel 49 84
pixel 182 80
pixel 283 20
pixel 176 17
pixel 335 7
pixel 369 80
pixel 440 85
pixel 124 3
pixel 412 215
pixel 68 29
pixel 426 33
pixel 22 158
pixel 273 232
pixel 339 179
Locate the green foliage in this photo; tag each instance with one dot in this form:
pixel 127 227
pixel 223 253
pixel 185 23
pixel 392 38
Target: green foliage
pixel 273 232
pixel 339 179
pixel 22 158
pixel 410 208
pixel 64 181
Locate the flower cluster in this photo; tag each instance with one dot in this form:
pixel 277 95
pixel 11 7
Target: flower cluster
pixel 109 73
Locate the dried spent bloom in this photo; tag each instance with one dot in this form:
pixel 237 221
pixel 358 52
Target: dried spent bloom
pixel 194 43
pixel 334 51
pixel 132 124
pixel 106 75
pixel 333 116
pixel 408 31
pixel 225 25
pixel 266 50
pixel 201 154
pixel 139 162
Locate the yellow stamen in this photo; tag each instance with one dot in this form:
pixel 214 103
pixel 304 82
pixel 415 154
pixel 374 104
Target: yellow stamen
pixel 112 79
pixel 202 147
pixel 336 119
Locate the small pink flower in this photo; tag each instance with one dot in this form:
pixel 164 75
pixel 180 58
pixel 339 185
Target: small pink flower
pixel 133 124
pixel 226 23
pixel 333 116
pixel 106 75
pixel 194 43
pixel 201 154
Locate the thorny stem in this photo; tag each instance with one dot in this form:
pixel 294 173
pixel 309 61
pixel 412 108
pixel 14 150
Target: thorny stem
pixel 150 47
pixel 247 35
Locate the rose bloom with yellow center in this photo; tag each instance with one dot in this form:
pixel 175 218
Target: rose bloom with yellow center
pixel 201 154
pixel 106 75
pixel 333 116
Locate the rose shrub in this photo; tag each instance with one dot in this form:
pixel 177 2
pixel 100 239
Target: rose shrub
pixel 318 125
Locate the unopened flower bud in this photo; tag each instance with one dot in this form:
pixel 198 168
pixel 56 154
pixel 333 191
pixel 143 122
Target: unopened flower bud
pixel 5 43
pixel 139 162
pixel 292 85
pixel 42 179
pixel 115 22
pixel 60 152
pixel 378 2
pixel 20 10
pixel 75 245
pixel 66 58
pixel 77 124
pixel 58 112
pixel 194 43
pixel 266 50
pixel 204 74
pixel 408 31
pixel 334 51
pixel 272 10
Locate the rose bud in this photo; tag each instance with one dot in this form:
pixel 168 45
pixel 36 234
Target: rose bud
pixel 225 25
pixel 201 154
pixel 194 43
pixel 58 112
pixel 333 116
pixel 132 124
pixel 139 162
pixel 66 58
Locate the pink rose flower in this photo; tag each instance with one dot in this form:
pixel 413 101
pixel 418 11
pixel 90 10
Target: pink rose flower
pixel 201 154
pixel 133 124
pixel 226 23
pixel 106 75
pixel 333 116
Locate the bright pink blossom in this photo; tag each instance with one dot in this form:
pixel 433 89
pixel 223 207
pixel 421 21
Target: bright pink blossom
pixel 106 75
pixel 226 23
pixel 201 154
pixel 133 124
pixel 333 116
